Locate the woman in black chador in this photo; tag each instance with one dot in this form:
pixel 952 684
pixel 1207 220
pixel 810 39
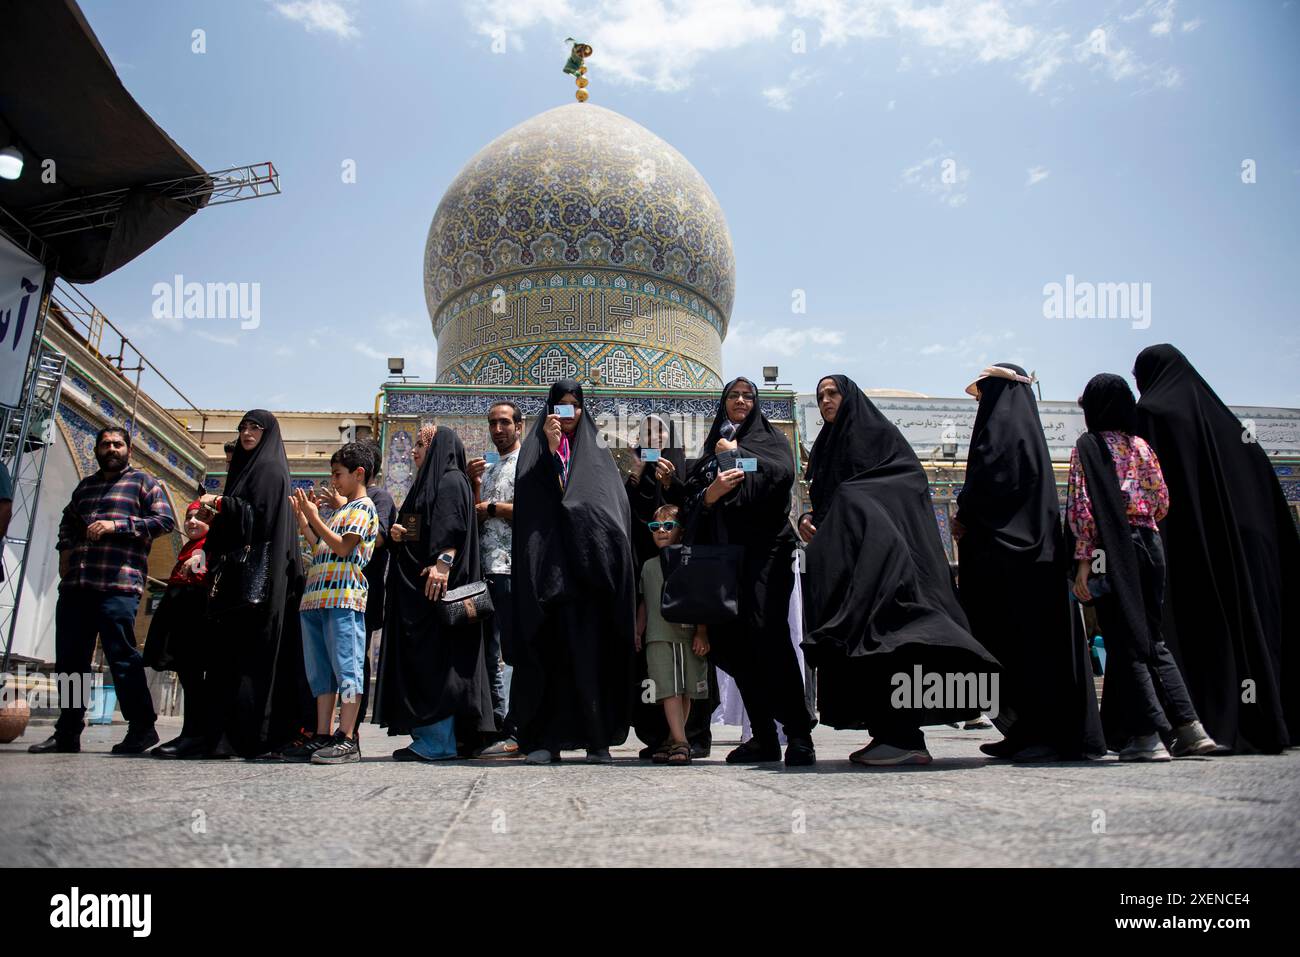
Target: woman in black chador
pixel 753 509
pixel 574 589
pixel 1013 573
pixel 255 688
pixel 1232 616
pixel 433 678
pixel 651 485
pixel 882 616
pixel 1117 494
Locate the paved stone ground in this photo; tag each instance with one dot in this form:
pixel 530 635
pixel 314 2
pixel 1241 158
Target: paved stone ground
pixel 94 809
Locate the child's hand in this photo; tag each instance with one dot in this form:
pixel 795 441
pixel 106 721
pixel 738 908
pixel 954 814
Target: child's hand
pixel 305 505
pixel 700 645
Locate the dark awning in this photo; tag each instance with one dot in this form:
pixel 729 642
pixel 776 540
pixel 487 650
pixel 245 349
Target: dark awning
pixel 122 183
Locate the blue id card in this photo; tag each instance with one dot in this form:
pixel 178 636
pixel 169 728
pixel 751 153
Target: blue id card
pixel 747 465
pixel 492 458
pixel 650 455
pixel 563 411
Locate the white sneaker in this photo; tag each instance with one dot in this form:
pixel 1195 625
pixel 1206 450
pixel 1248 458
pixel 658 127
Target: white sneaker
pixel 1148 747
pixel 879 754
pixel 1191 739
pixel 540 756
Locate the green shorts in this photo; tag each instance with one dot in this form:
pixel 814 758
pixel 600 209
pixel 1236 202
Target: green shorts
pixel 676 670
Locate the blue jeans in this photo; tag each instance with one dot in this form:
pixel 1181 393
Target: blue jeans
pixel 333 643
pixel 499 653
pixel 435 741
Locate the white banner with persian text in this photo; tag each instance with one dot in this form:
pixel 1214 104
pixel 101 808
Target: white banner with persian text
pixel 21 281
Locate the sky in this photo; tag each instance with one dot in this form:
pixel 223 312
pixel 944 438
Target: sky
pixel 916 173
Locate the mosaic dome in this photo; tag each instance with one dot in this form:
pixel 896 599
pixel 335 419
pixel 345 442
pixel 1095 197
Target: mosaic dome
pixel 580 244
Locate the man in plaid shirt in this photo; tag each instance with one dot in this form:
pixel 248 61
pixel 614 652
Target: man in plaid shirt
pixel 104 541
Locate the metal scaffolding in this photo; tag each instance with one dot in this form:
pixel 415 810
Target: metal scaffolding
pixel 99 210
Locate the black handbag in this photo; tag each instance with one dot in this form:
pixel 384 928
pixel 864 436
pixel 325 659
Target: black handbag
pixel 701 582
pixel 466 605
pixel 242 580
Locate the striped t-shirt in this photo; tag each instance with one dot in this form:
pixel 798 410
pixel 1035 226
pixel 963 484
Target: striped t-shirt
pixel 334 582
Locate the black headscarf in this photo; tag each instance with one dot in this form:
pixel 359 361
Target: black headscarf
pixel 1108 404
pixel 762 500
pixel 861 439
pixel 260 477
pixel 1233 610
pixel 878 585
pixel 428 671
pixel 1009 492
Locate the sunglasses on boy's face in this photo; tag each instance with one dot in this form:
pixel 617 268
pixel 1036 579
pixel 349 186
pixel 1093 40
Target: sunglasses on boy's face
pixel 664 526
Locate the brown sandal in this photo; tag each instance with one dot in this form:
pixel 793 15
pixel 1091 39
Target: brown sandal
pixel 660 754
pixel 679 752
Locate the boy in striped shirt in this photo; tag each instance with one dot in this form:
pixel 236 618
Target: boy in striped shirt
pixel 333 606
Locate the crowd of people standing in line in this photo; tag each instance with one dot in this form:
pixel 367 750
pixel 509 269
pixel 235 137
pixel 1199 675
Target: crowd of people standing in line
pixel 523 601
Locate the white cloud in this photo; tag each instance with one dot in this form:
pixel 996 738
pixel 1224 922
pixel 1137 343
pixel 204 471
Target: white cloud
pixel 653 42
pixel 325 16
pixel 219 340
pixel 781 97
pixel 1047 57
pixel 1036 175
pixel 661 43
pixel 890 105
pixel 940 176
pixel 787 341
pixel 397 338
pixel 1191 25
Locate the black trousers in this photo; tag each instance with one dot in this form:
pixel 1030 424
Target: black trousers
pixel 81 615
pixel 1155 698
pixel 757 652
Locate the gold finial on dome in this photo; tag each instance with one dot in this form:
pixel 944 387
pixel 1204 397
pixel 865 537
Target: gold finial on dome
pixel 575 67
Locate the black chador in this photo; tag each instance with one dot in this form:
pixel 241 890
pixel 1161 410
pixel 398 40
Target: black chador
pixel 1232 611
pixel 256 687
pixel 878 594
pixel 430 671
pixel 756 649
pixel 574 592
pixel 1013 571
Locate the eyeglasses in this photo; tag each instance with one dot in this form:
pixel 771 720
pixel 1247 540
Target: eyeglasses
pixel 250 427
pixel 740 396
pixel 664 526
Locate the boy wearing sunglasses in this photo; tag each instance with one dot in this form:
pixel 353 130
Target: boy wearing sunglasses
pixel 675 653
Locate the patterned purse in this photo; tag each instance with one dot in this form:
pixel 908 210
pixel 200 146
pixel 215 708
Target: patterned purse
pixel 466 605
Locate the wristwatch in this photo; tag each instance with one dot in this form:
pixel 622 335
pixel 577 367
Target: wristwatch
pixel 492 509
pixel 447 558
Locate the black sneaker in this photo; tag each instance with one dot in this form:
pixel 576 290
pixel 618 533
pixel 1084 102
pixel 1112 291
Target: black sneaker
pixel 300 752
pixel 137 742
pixel 341 751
